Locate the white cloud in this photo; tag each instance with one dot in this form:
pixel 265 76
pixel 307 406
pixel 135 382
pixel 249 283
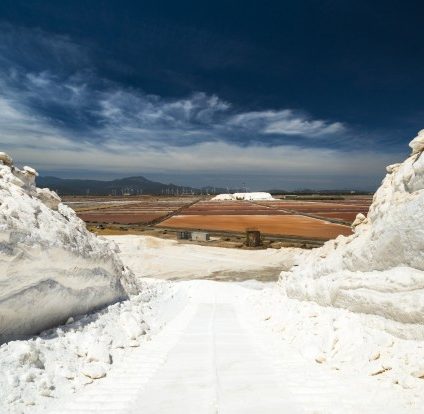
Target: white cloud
pixel 286 122
pixel 32 140
pixel 49 76
pixel 19 130
pixel 210 157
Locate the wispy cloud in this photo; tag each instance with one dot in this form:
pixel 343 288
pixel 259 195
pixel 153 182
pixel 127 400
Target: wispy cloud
pixel 57 113
pixel 60 86
pixel 286 122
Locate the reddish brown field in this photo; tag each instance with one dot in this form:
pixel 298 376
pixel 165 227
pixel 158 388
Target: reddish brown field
pixel 119 218
pixel 340 210
pixel 288 225
pixel 229 208
pixel 132 210
pixel 347 216
pixel 299 218
pixel 343 210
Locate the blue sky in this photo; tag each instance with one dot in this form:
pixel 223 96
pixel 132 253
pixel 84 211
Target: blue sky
pixel 275 94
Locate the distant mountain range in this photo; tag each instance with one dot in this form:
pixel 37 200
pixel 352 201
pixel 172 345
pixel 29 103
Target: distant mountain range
pixel 123 186
pixel 141 185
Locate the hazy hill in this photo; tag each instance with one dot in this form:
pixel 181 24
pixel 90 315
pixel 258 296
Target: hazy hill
pixel 129 185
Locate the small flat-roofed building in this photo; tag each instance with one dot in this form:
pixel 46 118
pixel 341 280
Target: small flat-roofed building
pixel 200 236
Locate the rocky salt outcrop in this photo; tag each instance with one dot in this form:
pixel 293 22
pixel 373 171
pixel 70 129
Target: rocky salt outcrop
pixel 379 270
pixel 417 144
pixel 51 267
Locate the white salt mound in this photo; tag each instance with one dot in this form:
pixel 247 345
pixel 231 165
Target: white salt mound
pixel 243 196
pixel 417 144
pixel 51 267
pixel 379 270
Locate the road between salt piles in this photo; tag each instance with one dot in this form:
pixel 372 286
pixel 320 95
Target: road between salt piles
pixel 215 357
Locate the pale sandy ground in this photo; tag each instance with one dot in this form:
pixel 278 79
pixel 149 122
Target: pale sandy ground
pixel 167 259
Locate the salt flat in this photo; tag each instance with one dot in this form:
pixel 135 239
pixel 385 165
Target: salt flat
pixel 167 259
pixel 216 357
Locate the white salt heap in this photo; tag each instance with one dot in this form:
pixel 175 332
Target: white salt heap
pixel 379 270
pixel 243 196
pixel 417 144
pixel 61 361
pixel 51 267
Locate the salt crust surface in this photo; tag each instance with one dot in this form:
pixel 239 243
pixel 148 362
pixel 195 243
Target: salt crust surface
pixel 168 259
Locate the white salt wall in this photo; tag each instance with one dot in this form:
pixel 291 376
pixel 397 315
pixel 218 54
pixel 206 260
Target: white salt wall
pixel 51 267
pixel 380 269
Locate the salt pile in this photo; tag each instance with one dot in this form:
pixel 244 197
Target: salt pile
pixel 61 361
pixel 379 270
pixel 51 267
pixel 243 196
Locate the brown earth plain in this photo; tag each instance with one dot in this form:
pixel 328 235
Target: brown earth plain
pixel 308 219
